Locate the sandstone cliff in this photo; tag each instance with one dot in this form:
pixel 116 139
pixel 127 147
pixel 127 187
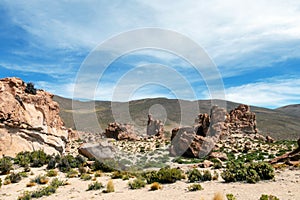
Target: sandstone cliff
pixel 29 120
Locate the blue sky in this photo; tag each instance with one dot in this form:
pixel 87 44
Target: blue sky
pixel 254 44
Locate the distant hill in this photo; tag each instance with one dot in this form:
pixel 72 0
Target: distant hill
pixel 278 123
pixel 293 110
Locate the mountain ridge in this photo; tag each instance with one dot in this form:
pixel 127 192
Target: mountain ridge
pixel 277 123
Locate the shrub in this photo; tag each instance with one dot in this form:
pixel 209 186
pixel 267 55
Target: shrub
pixel 22 159
pixel 57 183
pixel 194 175
pixel 64 165
pixel 86 177
pixel 51 163
pixel 194 187
pixel 95 186
pixel 264 170
pixel 52 173
pixel 39 158
pixel 72 173
pixel 110 187
pixel 98 173
pixel 268 197
pixel 5 165
pixel 105 166
pixel 252 176
pixel 230 197
pixel 31 184
pixel 23 174
pixel 14 177
pixel 206 176
pixel 46 191
pixel 136 184
pixel 164 175
pixel 30 89
pixel 82 170
pixel 0 182
pixel 41 180
pixel 25 196
pixel 155 186
pixel 251 173
pixel 215 176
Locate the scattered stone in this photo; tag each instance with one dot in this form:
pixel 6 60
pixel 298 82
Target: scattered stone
pixel 219 155
pixel 206 164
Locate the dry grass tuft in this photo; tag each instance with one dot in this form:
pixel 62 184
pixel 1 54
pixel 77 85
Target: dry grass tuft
pixel 219 196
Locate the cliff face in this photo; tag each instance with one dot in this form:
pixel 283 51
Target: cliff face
pixel 29 120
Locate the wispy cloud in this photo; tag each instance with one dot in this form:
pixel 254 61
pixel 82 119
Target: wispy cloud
pixel 270 93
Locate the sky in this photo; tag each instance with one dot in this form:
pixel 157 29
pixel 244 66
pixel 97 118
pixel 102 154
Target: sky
pixel 254 46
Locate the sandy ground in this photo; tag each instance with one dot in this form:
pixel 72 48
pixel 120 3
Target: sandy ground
pixel 286 186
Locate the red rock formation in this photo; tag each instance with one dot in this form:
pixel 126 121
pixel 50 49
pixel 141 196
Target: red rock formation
pixel 29 122
pixel 199 140
pixel 155 127
pixel 120 132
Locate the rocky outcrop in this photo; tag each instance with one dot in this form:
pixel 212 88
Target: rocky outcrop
pixel 29 119
pixel 187 143
pixel 120 132
pixel 241 119
pixel 155 127
pixel 199 140
pixel 101 150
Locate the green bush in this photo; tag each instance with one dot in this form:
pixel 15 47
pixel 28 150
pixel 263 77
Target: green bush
pixel 5 165
pixel 22 159
pixel 39 158
pixel 72 173
pixel 251 172
pixel 52 173
pixel 14 177
pixel 268 197
pixel 51 164
pixel 206 176
pixel 26 196
pixel 64 165
pixel 195 187
pixel 252 176
pixel 40 180
pixel 136 184
pixel 86 177
pixel 45 191
pixel 164 175
pixel 194 175
pixel 95 186
pixel 105 166
pixel 230 197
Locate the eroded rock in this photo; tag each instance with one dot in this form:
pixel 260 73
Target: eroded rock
pixel 29 121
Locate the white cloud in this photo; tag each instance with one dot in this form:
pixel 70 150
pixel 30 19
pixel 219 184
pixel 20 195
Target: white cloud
pixel 233 32
pixel 270 93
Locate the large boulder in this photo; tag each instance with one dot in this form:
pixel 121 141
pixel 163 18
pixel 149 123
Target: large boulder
pixel 120 131
pixel 29 119
pixel 187 143
pixel 198 140
pixel 101 150
pixel 155 127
